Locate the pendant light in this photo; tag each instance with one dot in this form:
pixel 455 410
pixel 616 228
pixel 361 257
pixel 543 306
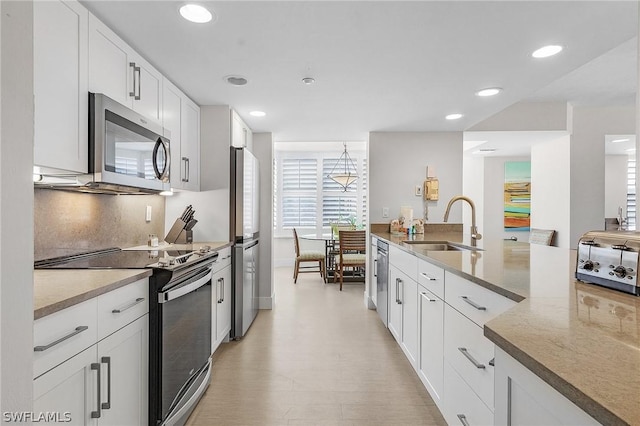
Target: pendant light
pixel 344 172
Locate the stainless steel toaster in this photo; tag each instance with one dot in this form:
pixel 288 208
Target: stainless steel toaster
pixel 609 259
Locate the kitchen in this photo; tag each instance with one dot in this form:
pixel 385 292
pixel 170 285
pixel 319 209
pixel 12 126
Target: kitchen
pixel 14 261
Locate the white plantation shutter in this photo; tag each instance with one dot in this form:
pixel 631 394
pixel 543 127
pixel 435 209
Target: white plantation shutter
pixel 631 194
pixel 305 197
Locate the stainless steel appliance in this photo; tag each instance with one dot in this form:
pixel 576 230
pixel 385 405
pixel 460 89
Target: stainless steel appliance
pixel 382 281
pixel 245 233
pixel 128 154
pixel 609 259
pixel 179 322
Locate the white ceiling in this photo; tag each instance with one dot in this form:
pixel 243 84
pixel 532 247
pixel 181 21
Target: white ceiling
pixel 380 66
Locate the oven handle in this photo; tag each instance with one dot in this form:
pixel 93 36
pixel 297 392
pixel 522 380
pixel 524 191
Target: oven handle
pixel 191 285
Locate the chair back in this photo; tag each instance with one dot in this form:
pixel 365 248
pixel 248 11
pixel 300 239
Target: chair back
pixel 297 244
pixel 352 240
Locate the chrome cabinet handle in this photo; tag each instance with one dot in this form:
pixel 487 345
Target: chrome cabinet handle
pixel 375 267
pixel 220 288
pixel 492 362
pixel 463 420
pixel 466 353
pixel 132 65
pixel 427 297
pixel 137 98
pixel 223 285
pixel 398 282
pixel 474 304
pixel 186 169
pixel 96 414
pixel 128 306
pixel 107 360
pixel 424 274
pixel 77 330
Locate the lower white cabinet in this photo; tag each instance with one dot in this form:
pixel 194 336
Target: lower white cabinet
pixel 403 312
pixel 461 405
pixel 431 341
pixel 522 398
pixel 372 271
pixel 221 303
pixel 117 366
pixel 91 360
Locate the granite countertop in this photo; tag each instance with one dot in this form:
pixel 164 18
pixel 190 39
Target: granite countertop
pixel 582 339
pixel 57 289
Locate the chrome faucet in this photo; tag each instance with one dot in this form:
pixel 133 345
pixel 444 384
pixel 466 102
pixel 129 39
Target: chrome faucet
pixel 475 235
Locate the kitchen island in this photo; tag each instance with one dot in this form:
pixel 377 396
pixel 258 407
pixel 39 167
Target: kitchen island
pixel 581 339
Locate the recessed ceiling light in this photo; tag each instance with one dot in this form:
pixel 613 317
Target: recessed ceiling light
pixel 491 91
pixel 630 150
pixel 546 51
pixel 236 80
pixel 620 140
pixel 258 113
pixel 195 13
pixel 453 116
pixel 308 80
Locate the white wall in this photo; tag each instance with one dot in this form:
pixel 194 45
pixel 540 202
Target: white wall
pixel 587 163
pixel 528 116
pixel 398 162
pixel 551 190
pixel 473 177
pixel 615 184
pixel 263 150
pixel 16 206
pixel 494 198
pixel 212 213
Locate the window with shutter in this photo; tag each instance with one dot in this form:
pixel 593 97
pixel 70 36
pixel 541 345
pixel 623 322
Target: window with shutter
pixel 631 194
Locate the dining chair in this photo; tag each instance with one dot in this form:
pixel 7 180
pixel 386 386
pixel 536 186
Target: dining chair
pixel 351 252
pixel 307 256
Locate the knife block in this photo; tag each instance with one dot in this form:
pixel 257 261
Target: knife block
pixel 185 237
pixel 177 233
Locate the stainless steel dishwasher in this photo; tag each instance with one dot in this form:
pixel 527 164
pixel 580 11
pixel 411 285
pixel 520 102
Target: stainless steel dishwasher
pixel 382 281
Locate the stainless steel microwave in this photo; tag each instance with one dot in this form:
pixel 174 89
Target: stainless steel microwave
pixel 127 152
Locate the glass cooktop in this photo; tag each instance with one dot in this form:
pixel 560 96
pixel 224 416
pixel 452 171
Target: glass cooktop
pixel 114 259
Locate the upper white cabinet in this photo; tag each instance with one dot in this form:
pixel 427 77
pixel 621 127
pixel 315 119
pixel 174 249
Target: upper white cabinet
pixel 181 117
pixel 60 79
pixel 116 70
pixel 241 134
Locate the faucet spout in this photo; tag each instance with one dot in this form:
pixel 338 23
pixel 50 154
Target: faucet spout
pixel 475 235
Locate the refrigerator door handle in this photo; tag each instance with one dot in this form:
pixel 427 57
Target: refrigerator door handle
pixel 255 243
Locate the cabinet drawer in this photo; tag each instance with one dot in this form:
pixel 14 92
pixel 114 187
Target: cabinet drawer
pixel 469 353
pixel 461 403
pixel 475 302
pixel 404 261
pixel 223 260
pixel 122 306
pixel 61 335
pixel 431 277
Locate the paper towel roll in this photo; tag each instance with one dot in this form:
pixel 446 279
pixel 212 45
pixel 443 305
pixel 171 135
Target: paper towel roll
pixel 407 213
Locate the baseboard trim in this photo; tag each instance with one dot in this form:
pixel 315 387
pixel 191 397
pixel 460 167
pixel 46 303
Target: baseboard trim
pixel 266 302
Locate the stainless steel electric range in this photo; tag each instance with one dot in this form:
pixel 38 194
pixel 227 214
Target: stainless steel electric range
pixel 179 321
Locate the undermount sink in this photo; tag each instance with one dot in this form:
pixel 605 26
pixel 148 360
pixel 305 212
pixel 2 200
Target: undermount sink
pixel 439 245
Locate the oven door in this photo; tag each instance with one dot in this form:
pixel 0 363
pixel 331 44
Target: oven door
pixel 186 343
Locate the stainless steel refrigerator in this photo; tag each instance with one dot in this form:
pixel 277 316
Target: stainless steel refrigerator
pixel 245 233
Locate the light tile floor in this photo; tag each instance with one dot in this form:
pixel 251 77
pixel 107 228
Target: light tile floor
pixel 319 358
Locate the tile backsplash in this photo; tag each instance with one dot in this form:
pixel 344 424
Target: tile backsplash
pixel 70 220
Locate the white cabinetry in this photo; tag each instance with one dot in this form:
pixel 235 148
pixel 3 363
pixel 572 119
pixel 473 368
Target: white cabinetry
pixel 119 72
pixel 241 134
pixel 403 301
pixel 60 85
pixel 372 271
pixel 431 343
pixel 522 398
pixel 181 117
pixel 94 364
pixel 221 304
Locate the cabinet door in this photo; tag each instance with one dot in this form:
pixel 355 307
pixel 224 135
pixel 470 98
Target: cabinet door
pixel 109 69
pixel 60 85
pixel 123 357
pixel 223 314
pixel 171 121
pixel 147 89
pixel 395 304
pixel 373 273
pixel 238 131
pixel 430 363
pixel 190 143
pixel 69 390
pixel 410 319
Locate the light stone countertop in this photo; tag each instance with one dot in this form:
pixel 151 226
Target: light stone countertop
pixel 582 339
pixel 57 289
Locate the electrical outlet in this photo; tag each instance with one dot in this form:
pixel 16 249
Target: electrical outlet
pixel 418 191
pixel 147 215
pixel 385 212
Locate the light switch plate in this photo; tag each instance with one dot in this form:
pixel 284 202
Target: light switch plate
pixel 418 191
pixel 385 212
pixel 147 215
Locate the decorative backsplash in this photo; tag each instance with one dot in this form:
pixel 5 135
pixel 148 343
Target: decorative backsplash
pixel 77 221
